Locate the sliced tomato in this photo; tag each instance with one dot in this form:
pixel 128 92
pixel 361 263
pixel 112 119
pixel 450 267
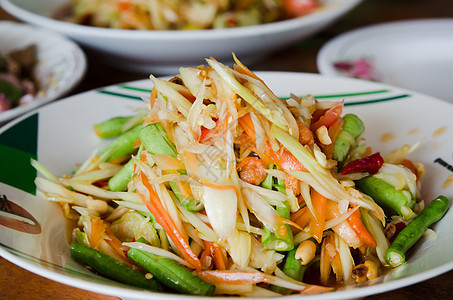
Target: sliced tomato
pixel 297 8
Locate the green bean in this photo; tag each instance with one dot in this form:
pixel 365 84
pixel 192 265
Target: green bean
pixel 293 267
pixel 111 268
pixel 386 196
pixel 188 201
pixel 396 254
pixel 155 140
pixel 283 239
pixel 119 181
pixel 171 273
pixel 122 145
pixel 111 128
pixel 350 131
pixel 268 182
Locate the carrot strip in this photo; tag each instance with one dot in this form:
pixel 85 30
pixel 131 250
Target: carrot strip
pixel 363 234
pixel 116 244
pixel 206 253
pixel 301 217
pixel 232 277
pixel 152 97
pixel 96 232
pixel 157 209
pixel 247 124
pixel 334 131
pixel 318 220
pixel 217 186
pixel 219 262
pixel 316 289
pixel 215 252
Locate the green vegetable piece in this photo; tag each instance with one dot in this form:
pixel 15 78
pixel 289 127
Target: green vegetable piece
pixel 111 268
pixel 293 267
pixel 81 237
pixel 171 273
pixel 122 145
pixel 111 128
pixel 156 141
pixel 350 131
pixel 281 240
pixel 133 225
pixel 396 254
pixel 386 196
pixel 188 201
pixel 12 93
pixel 268 182
pixel 273 183
pixel 119 182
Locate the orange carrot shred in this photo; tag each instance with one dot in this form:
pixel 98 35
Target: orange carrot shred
pixel 96 232
pixel 318 220
pixel 246 124
pixel 159 212
pixel 153 96
pixel 357 225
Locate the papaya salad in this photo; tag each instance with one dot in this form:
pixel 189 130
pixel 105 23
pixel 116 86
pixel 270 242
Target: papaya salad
pixel 184 14
pixel 216 186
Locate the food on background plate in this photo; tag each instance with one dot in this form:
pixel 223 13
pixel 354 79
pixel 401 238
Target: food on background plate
pixel 184 14
pixel 217 186
pixel 357 68
pixel 18 85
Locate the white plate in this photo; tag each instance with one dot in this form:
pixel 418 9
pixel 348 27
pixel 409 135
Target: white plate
pixel 59 138
pixel 416 55
pixel 164 51
pixel 61 63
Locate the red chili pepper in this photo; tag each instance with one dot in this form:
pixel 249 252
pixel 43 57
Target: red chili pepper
pixel 370 164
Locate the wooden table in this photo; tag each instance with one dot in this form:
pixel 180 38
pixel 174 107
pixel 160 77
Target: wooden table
pixel 17 283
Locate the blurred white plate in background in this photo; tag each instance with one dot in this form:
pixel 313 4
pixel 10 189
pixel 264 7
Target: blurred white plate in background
pixel 61 63
pixel 416 54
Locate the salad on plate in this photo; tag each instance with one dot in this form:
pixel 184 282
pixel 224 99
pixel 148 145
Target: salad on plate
pixel 216 186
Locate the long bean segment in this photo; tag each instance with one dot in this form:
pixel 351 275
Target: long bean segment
pixel 385 194
pixel 155 139
pixel 118 183
pixel 171 273
pixel 111 268
pixel 350 131
pixel 396 254
pixel 283 239
pixel 123 144
pixel 293 267
pixel 112 127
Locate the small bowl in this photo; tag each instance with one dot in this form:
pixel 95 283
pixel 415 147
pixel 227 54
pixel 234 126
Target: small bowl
pixel 163 51
pixel 61 63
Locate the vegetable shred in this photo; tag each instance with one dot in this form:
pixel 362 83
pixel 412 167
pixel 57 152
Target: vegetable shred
pixel 216 186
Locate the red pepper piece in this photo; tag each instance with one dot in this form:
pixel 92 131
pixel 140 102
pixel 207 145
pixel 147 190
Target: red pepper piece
pixel 370 164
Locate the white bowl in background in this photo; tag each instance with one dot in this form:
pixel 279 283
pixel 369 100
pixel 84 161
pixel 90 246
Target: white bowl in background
pixel 61 62
pixel 163 51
